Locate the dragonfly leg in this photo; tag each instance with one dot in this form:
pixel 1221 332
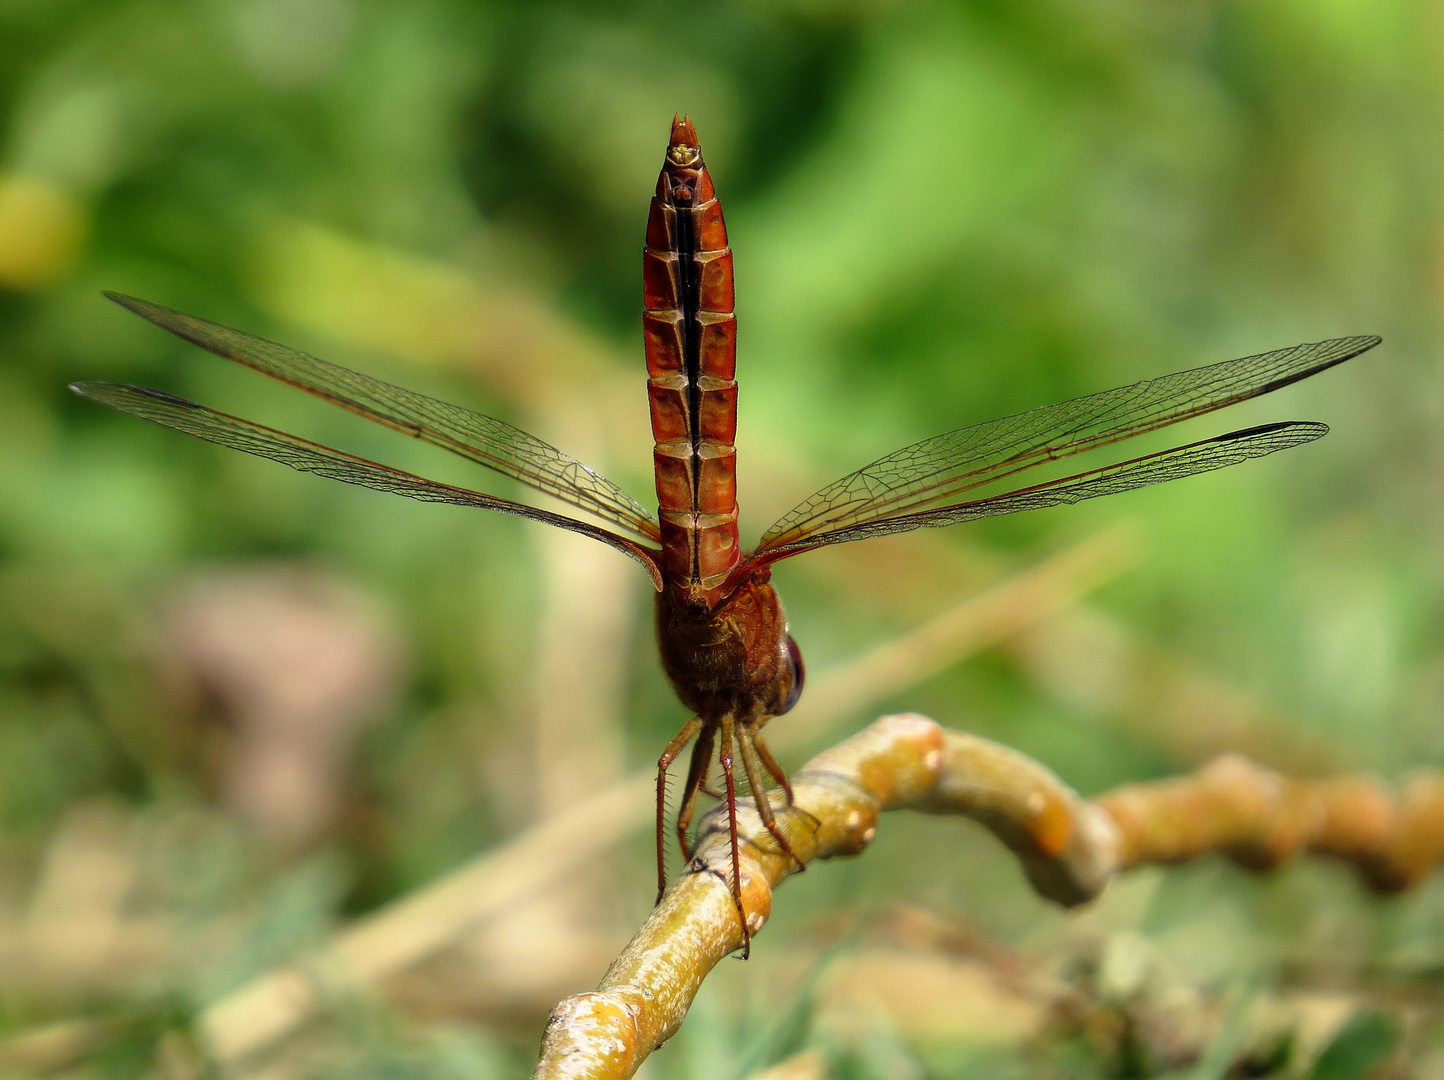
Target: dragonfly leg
pixel 746 743
pixel 669 755
pixel 696 774
pixel 725 755
pixel 770 764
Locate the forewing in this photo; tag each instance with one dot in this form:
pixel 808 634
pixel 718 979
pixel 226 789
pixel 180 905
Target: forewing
pixel 306 456
pixel 943 467
pixel 1200 457
pixel 472 435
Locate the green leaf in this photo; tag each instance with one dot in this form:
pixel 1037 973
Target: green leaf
pixel 1366 1040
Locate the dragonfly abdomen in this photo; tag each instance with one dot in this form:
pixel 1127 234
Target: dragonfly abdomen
pixel 691 339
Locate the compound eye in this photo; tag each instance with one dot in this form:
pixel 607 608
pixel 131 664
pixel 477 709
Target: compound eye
pixel 799 675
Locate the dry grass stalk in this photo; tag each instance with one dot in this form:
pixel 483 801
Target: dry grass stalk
pixel 1094 663
pixel 1022 601
pixel 52 1047
pixel 1069 847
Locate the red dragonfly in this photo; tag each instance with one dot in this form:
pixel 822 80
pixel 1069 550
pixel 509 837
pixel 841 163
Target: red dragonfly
pixel 721 629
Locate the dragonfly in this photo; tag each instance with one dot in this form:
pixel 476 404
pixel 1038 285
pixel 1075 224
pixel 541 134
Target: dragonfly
pixel 721 629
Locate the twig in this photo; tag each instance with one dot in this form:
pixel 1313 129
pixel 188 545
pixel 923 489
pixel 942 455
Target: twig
pixel 1393 836
pixel 1069 847
pixel 273 1006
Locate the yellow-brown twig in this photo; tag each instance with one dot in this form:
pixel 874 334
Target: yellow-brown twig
pixel 1069 847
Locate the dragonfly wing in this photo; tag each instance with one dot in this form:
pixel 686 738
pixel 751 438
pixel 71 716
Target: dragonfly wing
pixel 1200 457
pixel 306 456
pixel 943 467
pixel 472 435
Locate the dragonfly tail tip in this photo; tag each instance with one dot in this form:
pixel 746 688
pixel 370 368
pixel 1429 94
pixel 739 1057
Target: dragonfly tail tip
pixel 683 133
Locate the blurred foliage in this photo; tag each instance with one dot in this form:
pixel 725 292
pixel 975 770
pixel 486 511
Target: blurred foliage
pixel 942 211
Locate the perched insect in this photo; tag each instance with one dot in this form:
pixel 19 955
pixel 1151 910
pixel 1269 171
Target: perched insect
pixel 721 629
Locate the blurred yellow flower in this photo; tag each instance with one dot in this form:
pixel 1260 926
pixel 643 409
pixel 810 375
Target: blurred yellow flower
pixel 42 231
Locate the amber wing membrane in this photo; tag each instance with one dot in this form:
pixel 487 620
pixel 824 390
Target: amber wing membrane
pixel 471 435
pixel 903 490
pixel 306 456
pixel 1200 457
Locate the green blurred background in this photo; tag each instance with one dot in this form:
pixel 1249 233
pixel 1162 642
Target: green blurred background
pixel 240 706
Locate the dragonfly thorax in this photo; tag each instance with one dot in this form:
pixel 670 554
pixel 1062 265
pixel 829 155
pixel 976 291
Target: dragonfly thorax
pixel 735 658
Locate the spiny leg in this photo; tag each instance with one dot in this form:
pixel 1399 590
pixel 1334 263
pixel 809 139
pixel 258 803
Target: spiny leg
pixel 745 743
pixel 725 755
pixel 770 764
pixel 696 777
pixel 669 755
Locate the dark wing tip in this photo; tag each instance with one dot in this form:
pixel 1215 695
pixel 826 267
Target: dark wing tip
pixel 109 393
pixel 144 308
pixel 1346 348
pixel 1362 343
pixel 93 388
pixel 1303 430
pixel 190 328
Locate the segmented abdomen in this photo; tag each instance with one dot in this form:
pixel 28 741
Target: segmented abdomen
pixel 691 335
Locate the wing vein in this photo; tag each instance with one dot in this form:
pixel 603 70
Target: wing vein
pixel 908 482
pixel 474 436
pixel 1157 468
pixel 303 455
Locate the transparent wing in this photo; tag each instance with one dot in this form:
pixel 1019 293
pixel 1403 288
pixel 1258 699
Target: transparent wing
pixel 942 468
pixel 306 456
pixel 472 435
pixel 1200 457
